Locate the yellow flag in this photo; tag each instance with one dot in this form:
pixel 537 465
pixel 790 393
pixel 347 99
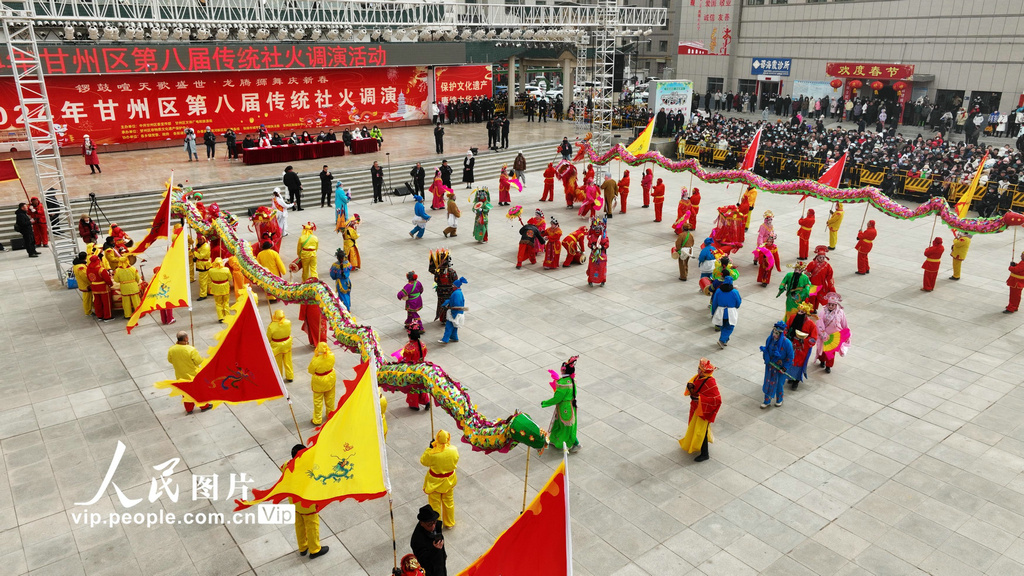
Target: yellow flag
pixel 169 286
pixel 643 141
pixel 964 204
pixel 345 460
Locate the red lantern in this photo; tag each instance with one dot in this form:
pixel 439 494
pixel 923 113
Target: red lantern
pixel 836 84
pixel 900 86
pixel 855 84
pixel 877 85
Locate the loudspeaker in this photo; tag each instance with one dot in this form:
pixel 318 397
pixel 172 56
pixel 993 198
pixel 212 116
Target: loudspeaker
pixel 252 211
pixel 17 243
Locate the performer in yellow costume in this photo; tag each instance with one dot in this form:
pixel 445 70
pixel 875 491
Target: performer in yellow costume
pixel 306 250
pixel 384 414
pixel 835 219
pixel 324 378
pixel 307 524
pixel 439 483
pixel 128 277
pixel 237 278
pixel 220 287
pixel 961 244
pixel 271 260
pixel 351 235
pixel 201 256
pixel 82 278
pixel 279 332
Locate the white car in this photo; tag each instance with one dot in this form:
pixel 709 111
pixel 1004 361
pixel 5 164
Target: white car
pixel 554 93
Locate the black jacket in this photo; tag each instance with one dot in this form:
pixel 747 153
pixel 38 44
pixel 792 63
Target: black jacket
pixel 418 174
pixel 431 559
pixel 446 175
pixel 377 174
pixel 22 223
pixel 325 180
pixel 292 182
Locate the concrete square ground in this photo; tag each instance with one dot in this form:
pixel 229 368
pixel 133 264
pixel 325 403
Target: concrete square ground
pixel 907 459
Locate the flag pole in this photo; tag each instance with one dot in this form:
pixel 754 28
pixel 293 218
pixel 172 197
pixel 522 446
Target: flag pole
pixel 526 479
pixel 294 419
pixel 394 543
pixel 934 222
pixel 191 326
pixel 867 206
pixel 432 433
pixel 1014 255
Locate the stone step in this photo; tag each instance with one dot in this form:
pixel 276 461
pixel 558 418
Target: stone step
pixel 134 211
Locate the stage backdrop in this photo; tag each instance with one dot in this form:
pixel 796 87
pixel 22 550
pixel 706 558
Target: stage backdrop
pixel 115 108
pixel 452 82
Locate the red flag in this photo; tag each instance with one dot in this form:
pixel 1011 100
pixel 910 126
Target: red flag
pixel 543 530
pixel 161 226
pixel 8 171
pixel 751 156
pixel 834 175
pixel 241 367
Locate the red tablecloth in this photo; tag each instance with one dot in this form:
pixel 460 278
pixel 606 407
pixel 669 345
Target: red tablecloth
pixel 292 153
pixel 365 145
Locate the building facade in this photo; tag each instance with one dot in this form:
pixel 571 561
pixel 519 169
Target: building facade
pixel 947 50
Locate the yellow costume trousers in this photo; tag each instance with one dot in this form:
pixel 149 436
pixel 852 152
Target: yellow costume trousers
pixel 87 302
pixel 284 364
pixel 309 267
pixel 444 504
pixel 204 283
pixel 307 532
pixel 222 305
pixel 695 433
pixel 956 267
pixel 322 400
pixel 833 237
pixel 191 269
pixel 130 303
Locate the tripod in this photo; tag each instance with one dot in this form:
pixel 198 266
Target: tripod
pixel 94 208
pixel 391 188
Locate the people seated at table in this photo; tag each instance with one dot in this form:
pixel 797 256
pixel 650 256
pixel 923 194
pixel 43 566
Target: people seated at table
pixel 248 142
pixel 346 137
pixel 321 137
pixel 293 139
pixel 364 132
pixel 276 140
pixel 331 136
pixel 376 134
pixel 306 138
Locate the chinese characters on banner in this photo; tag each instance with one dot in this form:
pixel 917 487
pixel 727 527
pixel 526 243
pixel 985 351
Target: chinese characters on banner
pixel 862 70
pixel 711 26
pixel 770 66
pixel 135 108
pixel 452 82
pixel 63 60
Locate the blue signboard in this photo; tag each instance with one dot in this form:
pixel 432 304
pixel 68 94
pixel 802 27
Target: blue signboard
pixel 770 66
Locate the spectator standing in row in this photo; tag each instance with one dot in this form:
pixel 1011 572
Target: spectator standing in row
pixel 92 160
pixel 294 186
pixel 418 175
pixel 377 176
pixel 190 144
pixel 439 135
pixel 210 140
pixel 230 139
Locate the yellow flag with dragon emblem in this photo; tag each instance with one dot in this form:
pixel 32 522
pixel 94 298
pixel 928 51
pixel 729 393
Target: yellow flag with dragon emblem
pixel 169 286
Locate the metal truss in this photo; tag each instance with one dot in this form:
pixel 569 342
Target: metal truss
pixel 35 108
pixel 604 72
pixel 341 13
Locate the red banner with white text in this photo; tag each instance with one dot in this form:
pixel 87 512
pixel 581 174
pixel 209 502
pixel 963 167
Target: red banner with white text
pixel 451 82
pixel 127 108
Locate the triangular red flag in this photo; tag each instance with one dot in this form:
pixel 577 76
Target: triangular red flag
pixel 751 156
pixel 241 367
pixel 8 171
pixel 161 226
pixel 543 529
pixel 834 175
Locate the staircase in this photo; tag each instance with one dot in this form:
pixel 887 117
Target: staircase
pixel 134 212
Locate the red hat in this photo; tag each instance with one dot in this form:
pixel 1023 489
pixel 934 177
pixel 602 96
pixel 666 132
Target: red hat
pixel 706 366
pixel 820 250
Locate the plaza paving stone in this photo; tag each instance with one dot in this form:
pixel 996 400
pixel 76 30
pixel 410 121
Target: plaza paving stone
pixel 907 459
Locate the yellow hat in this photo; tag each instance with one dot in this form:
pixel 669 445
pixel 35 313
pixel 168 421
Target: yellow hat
pixel 278 316
pixel 322 349
pixel 441 441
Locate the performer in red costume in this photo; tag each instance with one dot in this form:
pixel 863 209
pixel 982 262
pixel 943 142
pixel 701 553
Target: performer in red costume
pixel 548 195
pixel 37 213
pixel 821 275
pixel 623 191
pixel 1016 283
pixel 804 233
pixel 99 284
pixel 573 244
pixel 694 207
pixel 767 256
pixel 645 184
pixel 597 269
pixel 658 194
pixel 705 401
pixel 803 333
pixel 415 352
pixel 865 238
pixel 553 248
pixel 313 323
pixel 569 185
pixel 932 261
pixel 737 221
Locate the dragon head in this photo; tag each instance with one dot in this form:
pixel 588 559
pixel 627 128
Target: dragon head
pixel 526 431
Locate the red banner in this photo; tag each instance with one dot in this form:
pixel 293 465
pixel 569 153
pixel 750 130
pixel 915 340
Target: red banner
pixel 452 82
pixel 128 108
pixel 862 70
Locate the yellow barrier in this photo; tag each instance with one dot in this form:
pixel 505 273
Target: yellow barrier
pixel 917 184
pixel 868 177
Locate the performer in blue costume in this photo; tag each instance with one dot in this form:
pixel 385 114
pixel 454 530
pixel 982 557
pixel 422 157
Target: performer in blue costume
pixel 342 282
pixel 420 219
pixel 724 309
pixel 706 258
pixel 456 306
pixel 778 355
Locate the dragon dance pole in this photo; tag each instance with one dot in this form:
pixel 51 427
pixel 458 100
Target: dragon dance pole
pixel 867 206
pixel 432 433
pixel 1014 255
pixel 934 222
pixel 526 479
pixel 295 420
pixel 394 543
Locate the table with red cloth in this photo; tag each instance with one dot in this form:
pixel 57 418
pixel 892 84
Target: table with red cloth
pixel 310 151
pixel 365 145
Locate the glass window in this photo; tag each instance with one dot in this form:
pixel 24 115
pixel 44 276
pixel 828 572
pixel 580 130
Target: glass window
pixel 748 86
pixel 755 2
pixel 663 46
pixel 780 1
pixel 715 84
